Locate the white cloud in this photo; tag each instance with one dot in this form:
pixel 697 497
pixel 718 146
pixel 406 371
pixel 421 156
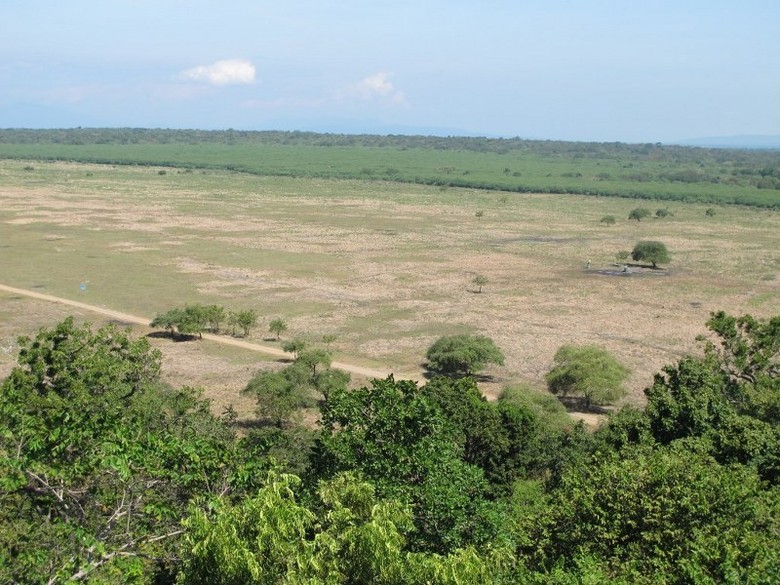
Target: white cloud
pixel 227 72
pixel 376 86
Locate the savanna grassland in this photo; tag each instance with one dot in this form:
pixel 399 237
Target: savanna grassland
pixel 385 266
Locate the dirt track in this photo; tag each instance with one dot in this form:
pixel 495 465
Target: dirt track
pixel 138 320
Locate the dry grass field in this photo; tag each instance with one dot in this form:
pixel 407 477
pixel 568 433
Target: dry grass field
pixel 385 267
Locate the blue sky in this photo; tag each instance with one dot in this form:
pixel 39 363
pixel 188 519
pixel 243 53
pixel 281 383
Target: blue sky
pixel 606 70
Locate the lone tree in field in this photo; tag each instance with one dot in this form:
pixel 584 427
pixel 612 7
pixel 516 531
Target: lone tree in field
pixel 457 355
pixel 480 281
pixel 294 346
pixel 650 251
pixel 639 213
pixel 278 326
pixel 608 220
pixel 589 371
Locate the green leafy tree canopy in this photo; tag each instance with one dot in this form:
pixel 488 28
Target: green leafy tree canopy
pixel 589 371
pixel 651 251
pixel 463 354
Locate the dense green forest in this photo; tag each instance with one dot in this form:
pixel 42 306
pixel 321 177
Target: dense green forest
pixel 647 171
pixel 107 475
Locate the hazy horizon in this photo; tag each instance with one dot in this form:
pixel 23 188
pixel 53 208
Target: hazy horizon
pixel 601 70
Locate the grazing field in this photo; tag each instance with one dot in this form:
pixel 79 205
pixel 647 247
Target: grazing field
pixel 386 267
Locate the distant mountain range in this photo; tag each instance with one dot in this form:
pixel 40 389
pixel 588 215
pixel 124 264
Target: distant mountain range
pixel 752 142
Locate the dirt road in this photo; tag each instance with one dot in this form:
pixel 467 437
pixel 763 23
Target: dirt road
pixel 144 321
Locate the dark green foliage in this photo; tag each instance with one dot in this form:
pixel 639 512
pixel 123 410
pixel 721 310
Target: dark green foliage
pixel 589 371
pixel 650 251
pixel 663 515
pixel 401 441
pixel 639 213
pixel 463 354
pixel 662 213
pixel 710 212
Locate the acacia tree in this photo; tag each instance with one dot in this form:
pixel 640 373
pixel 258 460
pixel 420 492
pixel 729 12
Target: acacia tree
pixel 480 281
pixel 463 354
pixel 588 371
pixel 651 251
pixel 278 326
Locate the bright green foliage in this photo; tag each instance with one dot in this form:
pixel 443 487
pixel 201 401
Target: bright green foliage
pixel 463 354
pixel 639 213
pixel 399 440
pixel 273 538
pixel 622 255
pixel 650 251
pixel 664 515
pixel 98 460
pixel 278 326
pixel 589 371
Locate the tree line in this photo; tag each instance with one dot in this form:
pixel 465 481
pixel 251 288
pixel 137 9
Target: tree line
pixel 108 475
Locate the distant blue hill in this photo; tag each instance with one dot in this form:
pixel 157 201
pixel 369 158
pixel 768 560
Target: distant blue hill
pixel 754 142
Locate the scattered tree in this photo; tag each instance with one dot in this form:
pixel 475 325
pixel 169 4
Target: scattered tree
pixel 245 319
pixel 294 346
pixel 479 281
pixel 639 213
pixel 710 212
pixel 588 371
pixel 311 358
pixel 278 326
pixel 608 220
pixel 463 354
pixel 327 339
pixel 479 214
pixel 650 251
pixel 662 213
pixel 622 255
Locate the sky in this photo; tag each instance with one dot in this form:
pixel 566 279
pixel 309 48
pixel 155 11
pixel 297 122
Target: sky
pixel 589 70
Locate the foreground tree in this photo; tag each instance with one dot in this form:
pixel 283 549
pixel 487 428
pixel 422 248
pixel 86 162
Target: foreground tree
pixel 348 535
pixel 463 354
pixel 650 251
pixel 401 442
pixel 98 459
pixel 588 371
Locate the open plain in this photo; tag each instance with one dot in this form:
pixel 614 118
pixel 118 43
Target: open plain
pixel 385 267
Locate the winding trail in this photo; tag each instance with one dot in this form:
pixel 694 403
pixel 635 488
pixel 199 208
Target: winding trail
pixel 144 321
